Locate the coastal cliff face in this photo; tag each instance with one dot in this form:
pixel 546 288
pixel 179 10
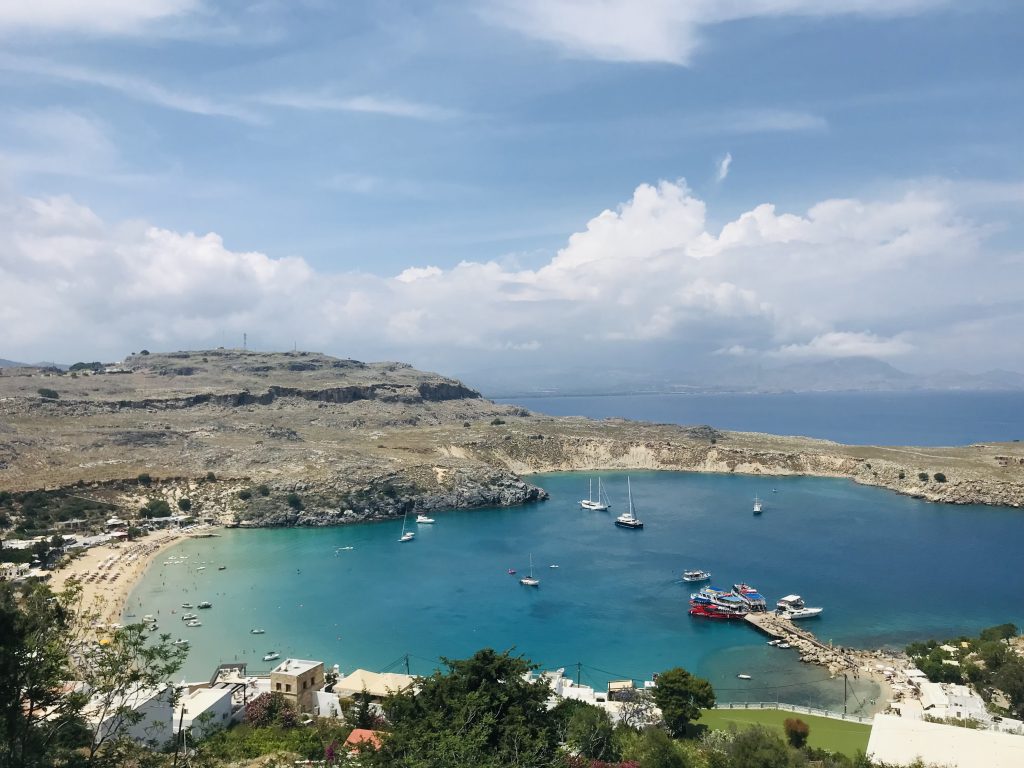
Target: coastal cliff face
pixel 306 439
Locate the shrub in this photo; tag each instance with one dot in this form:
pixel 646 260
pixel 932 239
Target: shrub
pixel 939 477
pixel 922 476
pixel 144 352
pixel 144 478
pixel 295 501
pixel 211 476
pixel 245 494
pixel 156 508
pixel 496 422
pixel 48 394
pixel 263 490
pixel 184 504
pixel 796 731
pixel 902 474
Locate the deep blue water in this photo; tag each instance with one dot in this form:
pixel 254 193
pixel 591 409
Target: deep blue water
pixel 862 418
pixel 886 568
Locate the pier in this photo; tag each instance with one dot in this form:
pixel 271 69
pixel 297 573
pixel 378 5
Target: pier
pixel 811 649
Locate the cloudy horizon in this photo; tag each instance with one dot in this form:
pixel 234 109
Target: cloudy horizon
pixel 514 185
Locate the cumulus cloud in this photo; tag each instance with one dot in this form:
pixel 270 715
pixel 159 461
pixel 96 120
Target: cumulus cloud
pixel 648 278
pixel 666 31
pixel 723 167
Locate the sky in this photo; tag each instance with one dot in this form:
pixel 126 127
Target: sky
pixel 520 187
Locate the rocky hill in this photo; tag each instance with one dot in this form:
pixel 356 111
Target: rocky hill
pixel 306 439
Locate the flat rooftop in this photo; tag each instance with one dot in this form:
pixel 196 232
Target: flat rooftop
pixel 295 666
pixel 900 740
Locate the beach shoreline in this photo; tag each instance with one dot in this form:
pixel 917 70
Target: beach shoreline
pixel 107 573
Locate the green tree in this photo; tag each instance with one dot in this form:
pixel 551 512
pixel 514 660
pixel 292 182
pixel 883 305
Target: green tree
pixel 681 696
pixel 591 734
pixel 156 508
pixel 184 504
pixel 144 478
pixel 48 394
pixel 481 713
pixel 295 501
pixel 657 750
pixel 245 494
pixel 757 747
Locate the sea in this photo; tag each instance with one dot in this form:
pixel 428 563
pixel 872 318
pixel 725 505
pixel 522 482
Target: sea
pixel 887 569
pixel 859 418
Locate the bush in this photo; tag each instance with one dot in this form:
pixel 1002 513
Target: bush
pixel 245 494
pixel 144 478
pixel 496 422
pixel 797 731
pixel 144 352
pixel 922 476
pixel 263 490
pixel 156 508
pixel 295 501
pixel 211 477
pixel 48 394
pixel 184 504
pixel 939 477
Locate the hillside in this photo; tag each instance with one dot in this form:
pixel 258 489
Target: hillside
pixel 359 440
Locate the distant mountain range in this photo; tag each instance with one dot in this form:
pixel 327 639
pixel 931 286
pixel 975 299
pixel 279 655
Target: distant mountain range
pixel 15 364
pixel 843 374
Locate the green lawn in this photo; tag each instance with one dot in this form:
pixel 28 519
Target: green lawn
pixel 837 735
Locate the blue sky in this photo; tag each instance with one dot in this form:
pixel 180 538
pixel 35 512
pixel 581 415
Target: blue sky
pixel 277 167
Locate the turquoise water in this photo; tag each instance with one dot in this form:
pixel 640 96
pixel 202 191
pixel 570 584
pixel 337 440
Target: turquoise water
pixel 859 418
pixel 886 568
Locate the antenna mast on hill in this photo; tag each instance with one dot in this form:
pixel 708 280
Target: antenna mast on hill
pixel 245 341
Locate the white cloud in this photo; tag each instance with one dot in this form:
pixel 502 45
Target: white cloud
pixel 91 17
pixel 664 31
pixel 723 167
pixel 649 277
pixel 847 344
pixel 136 88
pixel 375 105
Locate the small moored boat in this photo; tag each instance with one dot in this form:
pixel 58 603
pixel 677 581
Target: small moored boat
pixel 205 604
pixel 743 677
pixel 257 631
pixel 271 656
pixel 696 575
pixel 628 519
pixel 424 519
pixel 530 581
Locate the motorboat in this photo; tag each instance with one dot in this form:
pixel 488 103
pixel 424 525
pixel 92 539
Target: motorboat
pixel 257 631
pixel 180 642
pixel 757 506
pixel 189 617
pixel 696 575
pixel 628 519
pixel 793 607
pixel 424 519
pixel 755 600
pixel 712 611
pixel 742 676
pixel 187 605
pixel 194 623
pixel 271 656
pixel 205 604
pixel 601 503
pixel 222 567
pixel 149 618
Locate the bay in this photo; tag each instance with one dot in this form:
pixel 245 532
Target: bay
pixel 887 569
pixel 855 418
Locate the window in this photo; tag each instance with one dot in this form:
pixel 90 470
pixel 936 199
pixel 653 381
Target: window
pixel 304 682
pixel 287 687
pixel 279 686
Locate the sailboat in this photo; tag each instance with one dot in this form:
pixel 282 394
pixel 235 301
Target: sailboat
pixel 529 581
pixel 406 535
pixel 757 506
pixel 628 519
pixel 600 504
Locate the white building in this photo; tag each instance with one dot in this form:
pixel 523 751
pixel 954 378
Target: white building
pixel 204 710
pixel 144 716
pixel 900 741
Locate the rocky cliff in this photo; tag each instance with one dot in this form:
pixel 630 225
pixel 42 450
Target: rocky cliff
pixel 306 439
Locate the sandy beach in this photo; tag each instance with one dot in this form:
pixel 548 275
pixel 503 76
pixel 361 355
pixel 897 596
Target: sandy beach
pixel 108 572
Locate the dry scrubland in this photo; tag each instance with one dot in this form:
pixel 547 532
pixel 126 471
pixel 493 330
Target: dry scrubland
pixel 358 441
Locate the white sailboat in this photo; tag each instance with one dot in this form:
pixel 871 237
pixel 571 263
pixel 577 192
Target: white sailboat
pixel 529 581
pixel 757 506
pixel 628 519
pixel 600 504
pixel 406 535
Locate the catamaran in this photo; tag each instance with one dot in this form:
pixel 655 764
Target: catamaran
pixel 628 519
pixel 601 503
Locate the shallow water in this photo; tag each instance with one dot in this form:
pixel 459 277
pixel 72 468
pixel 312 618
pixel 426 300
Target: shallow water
pixel 886 568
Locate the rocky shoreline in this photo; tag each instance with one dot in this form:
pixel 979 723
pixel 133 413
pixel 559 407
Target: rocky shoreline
pixel 338 441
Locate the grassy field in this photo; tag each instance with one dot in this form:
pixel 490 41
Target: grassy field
pixel 836 735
